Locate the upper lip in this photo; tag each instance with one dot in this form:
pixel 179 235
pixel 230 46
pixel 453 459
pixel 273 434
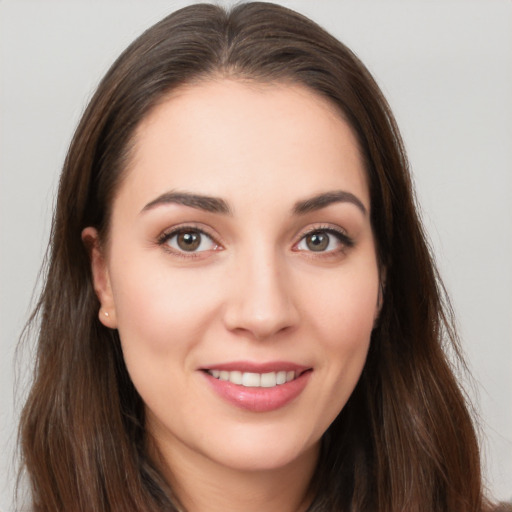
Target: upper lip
pixel 255 367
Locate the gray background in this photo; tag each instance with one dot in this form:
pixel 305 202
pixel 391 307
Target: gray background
pixel 446 68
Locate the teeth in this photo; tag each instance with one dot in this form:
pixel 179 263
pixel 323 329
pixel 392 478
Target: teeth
pixel 254 380
pixel 251 380
pixel 235 377
pixel 268 380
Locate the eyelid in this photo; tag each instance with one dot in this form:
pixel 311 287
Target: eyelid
pixel 345 240
pixel 342 236
pixel 168 233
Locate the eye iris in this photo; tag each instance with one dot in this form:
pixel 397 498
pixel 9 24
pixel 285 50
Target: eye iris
pixel 317 241
pixel 189 241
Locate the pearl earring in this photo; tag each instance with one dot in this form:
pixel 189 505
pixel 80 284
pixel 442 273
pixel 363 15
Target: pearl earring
pixel 106 314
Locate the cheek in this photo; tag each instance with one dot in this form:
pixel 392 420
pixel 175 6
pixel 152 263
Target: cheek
pixel 163 310
pixel 161 317
pixel 345 304
pixel 344 311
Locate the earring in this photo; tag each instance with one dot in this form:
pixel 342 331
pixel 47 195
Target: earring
pixel 106 314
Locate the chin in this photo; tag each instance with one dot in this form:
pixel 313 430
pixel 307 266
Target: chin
pixel 267 453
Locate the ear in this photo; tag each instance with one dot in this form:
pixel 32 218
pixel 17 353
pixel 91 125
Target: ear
pixel 100 277
pixel 380 296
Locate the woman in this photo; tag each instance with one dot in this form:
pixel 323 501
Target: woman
pixel 241 311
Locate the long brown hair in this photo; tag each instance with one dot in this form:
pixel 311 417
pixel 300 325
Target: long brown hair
pixel 403 442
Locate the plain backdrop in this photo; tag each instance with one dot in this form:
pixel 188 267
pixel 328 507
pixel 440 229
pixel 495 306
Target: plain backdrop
pixel 445 67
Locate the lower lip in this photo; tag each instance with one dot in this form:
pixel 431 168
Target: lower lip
pixel 259 399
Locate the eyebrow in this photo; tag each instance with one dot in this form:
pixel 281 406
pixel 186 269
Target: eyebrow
pixel 218 205
pixel 323 200
pixel 200 202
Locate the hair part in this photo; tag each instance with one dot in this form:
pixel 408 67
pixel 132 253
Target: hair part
pixel 404 440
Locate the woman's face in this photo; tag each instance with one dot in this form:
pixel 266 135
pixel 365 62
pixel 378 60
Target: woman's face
pixel 241 272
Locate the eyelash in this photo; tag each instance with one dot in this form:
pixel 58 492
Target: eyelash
pixel 164 238
pixel 345 241
pixel 342 237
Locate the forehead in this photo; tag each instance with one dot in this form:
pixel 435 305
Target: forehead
pixel 231 138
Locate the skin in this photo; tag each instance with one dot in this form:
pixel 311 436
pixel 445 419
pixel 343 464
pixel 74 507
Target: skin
pixel 253 291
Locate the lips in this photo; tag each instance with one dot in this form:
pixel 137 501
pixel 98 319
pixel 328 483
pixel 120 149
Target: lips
pixel 258 387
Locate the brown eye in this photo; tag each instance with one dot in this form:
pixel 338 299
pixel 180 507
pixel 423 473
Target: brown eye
pixel 189 240
pixel 326 240
pixel 317 241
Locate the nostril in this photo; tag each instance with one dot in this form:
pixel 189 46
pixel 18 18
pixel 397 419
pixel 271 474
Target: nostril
pixel 259 302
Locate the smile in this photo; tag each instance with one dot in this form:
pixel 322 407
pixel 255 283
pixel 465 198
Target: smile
pixel 258 387
pixel 254 380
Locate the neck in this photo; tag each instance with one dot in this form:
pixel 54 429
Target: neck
pixel 203 485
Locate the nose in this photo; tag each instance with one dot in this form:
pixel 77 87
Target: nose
pixel 262 301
